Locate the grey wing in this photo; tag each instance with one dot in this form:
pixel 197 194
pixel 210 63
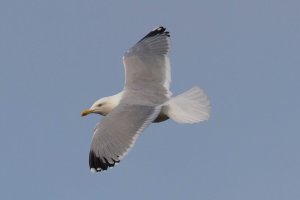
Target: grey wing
pixel 147 67
pixel 117 132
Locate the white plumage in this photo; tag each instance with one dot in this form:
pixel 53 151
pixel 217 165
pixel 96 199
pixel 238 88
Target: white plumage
pixel 146 98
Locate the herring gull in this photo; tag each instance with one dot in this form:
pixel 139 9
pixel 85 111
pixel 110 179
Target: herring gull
pixel 146 98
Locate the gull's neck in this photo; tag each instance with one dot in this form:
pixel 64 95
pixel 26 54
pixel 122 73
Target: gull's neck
pixel 114 100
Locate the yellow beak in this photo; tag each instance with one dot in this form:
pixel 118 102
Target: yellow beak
pixel 86 112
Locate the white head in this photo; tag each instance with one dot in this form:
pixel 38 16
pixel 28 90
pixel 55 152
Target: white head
pixel 104 105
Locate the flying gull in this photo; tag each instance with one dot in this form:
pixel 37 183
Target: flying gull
pixel 146 98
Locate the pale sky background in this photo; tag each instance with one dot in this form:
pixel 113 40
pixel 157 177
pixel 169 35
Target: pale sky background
pixel 58 56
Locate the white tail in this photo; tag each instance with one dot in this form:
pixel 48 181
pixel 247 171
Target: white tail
pixel 191 106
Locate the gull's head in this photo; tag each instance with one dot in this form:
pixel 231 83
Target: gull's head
pixel 104 105
pixel 99 107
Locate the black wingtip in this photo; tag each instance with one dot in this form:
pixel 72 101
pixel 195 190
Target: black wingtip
pixel 98 164
pixel 159 30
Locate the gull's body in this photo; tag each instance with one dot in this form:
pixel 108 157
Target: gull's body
pixel 146 98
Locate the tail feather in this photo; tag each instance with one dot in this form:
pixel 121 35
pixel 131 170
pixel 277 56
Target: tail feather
pixel 191 106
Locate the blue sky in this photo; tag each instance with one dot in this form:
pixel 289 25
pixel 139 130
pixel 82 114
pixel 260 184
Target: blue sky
pixel 58 57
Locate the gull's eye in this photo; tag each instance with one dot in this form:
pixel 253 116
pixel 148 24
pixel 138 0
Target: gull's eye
pixel 99 105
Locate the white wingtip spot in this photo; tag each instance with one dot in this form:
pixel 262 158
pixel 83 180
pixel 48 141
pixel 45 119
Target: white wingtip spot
pixel 93 170
pixel 159 27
